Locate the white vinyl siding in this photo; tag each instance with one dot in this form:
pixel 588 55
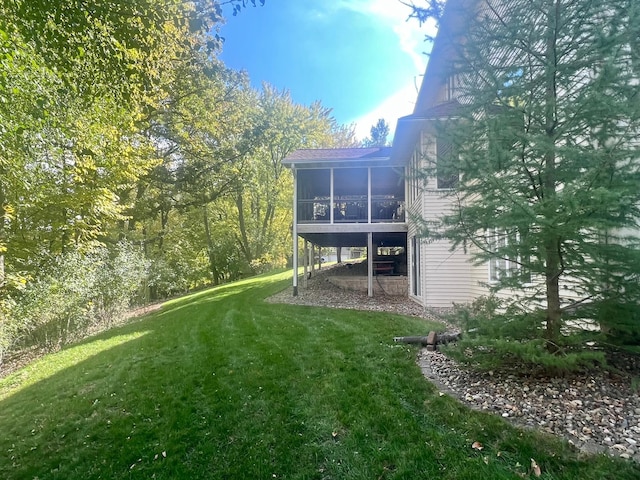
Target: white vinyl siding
pixel 446 274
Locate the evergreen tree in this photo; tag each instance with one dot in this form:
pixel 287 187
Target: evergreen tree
pixel 379 134
pixel 546 147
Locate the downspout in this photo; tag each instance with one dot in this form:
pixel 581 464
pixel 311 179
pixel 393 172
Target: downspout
pixel 369 238
pixel 406 220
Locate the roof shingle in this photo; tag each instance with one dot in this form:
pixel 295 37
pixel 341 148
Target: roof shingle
pixel 336 154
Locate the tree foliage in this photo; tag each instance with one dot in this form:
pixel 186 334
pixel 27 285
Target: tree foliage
pixel 379 134
pixel 78 83
pixel 74 292
pixel 546 150
pixel 76 80
pixel 119 126
pixel 262 197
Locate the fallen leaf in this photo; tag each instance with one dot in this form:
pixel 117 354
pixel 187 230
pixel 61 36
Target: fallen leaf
pixel 535 468
pixel 485 460
pixel 164 454
pixel 477 446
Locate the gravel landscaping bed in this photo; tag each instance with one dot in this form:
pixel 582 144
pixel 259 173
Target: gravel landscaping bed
pixel 597 412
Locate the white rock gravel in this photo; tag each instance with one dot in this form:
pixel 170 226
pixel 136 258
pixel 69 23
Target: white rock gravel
pixel 596 412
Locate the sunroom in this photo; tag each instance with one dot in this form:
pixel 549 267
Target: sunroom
pixel 351 197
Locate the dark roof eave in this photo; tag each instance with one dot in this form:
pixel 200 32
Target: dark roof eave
pixel 408 129
pixel 341 163
pixel 338 157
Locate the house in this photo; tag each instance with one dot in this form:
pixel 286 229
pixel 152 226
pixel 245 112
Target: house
pixel 438 276
pixel 367 197
pixel 351 197
pixel 356 183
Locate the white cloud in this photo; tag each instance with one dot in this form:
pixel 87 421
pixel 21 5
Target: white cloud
pixel 397 105
pixel 395 14
pixel 411 42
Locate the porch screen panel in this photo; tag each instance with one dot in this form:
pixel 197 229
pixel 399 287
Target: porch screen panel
pixel 350 190
pixel 314 190
pixel 387 191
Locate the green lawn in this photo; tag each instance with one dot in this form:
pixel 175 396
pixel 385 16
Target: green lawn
pixel 220 385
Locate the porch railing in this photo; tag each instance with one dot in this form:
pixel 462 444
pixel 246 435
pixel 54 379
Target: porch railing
pixel 383 210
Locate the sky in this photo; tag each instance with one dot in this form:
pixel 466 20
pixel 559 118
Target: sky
pixel 361 58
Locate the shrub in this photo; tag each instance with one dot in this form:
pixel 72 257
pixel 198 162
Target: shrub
pixel 7 328
pixel 263 264
pixel 78 291
pixel 119 283
pixel 495 337
pixel 168 278
pixel 620 322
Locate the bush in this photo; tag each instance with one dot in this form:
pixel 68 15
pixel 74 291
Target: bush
pixel 7 328
pixel 265 263
pixel 168 278
pixel 495 337
pixel 120 283
pixel 78 291
pixel 620 322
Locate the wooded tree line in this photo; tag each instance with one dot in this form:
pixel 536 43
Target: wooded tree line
pixel 133 163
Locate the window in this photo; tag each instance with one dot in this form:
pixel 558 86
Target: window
pixel 416 287
pixel 350 194
pixel 498 267
pixel 452 82
pixel 387 194
pixel 446 169
pixel 314 187
pixel 503 265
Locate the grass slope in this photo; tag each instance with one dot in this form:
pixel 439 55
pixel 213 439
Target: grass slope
pixel 220 385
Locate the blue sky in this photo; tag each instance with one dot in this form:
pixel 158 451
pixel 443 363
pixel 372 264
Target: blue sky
pixel 359 57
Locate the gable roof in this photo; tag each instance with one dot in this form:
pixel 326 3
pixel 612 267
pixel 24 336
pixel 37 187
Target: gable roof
pixel 450 31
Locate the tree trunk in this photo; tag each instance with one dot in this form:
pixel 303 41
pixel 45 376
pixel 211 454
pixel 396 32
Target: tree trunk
pixel 215 277
pixel 553 261
pixel 554 314
pixel 244 238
